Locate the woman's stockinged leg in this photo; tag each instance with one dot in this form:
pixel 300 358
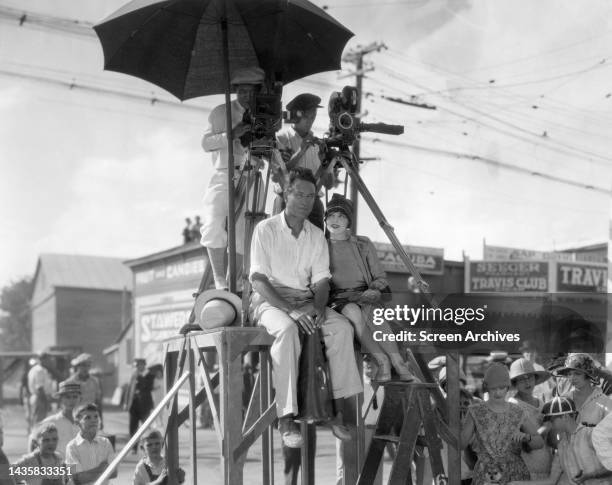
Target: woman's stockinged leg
pixel 368 344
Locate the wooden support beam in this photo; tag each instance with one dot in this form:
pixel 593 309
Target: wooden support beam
pixel 193 445
pixel 172 442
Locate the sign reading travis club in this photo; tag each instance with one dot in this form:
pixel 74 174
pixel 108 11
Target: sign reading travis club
pixel 427 260
pixel 582 277
pixel 507 276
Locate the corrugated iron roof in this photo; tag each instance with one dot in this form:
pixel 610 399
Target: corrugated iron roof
pixel 81 271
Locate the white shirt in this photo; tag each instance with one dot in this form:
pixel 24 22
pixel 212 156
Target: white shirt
pixel 66 430
pixel 602 441
pixel 85 455
pixel 286 260
pixel 289 138
pixel 38 376
pixel 215 138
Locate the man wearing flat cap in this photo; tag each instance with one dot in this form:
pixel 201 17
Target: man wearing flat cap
pixel 69 396
pixel 246 82
pixel 298 148
pixel 91 390
pixel 41 385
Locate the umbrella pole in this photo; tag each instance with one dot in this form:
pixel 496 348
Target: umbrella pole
pixel 231 217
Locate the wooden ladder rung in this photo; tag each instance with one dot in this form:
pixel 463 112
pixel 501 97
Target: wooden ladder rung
pixel 386 437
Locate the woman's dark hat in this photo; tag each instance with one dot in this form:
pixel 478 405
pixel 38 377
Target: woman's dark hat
pixel 339 203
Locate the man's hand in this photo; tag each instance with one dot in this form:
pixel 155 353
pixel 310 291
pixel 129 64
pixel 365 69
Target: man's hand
pixel 304 321
pixel 318 316
pixel 370 296
pixel 286 154
pixel 307 142
pixel 240 129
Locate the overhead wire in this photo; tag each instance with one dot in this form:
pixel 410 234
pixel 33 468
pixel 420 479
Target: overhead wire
pixel 583 152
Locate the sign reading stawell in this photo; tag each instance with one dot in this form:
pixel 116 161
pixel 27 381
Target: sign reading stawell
pixel 507 276
pixel 427 260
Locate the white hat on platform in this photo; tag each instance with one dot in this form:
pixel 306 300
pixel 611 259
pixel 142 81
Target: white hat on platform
pixel 217 308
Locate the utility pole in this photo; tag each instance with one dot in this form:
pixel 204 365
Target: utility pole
pixel 355 56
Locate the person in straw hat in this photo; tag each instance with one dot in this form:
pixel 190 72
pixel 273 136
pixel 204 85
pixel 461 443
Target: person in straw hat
pixel 91 389
pixel 524 378
pixel 498 430
pixel 246 82
pixel 576 460
pixel 591 403
pixel 69 397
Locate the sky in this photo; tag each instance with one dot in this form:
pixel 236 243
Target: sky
pixel 517 151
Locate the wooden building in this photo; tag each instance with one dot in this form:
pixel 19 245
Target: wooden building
pixel 80 302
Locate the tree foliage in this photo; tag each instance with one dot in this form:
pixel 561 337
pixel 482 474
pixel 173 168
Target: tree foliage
pixel 16 315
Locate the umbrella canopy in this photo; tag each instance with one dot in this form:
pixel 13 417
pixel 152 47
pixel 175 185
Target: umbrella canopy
pixel 177 44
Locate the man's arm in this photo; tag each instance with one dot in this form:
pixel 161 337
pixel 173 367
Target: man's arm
pixel 215 138
pixel 91 475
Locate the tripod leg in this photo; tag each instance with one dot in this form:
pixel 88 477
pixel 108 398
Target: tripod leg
pixel 367 196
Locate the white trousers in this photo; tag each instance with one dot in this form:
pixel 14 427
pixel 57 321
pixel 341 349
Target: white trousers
pixel 285 354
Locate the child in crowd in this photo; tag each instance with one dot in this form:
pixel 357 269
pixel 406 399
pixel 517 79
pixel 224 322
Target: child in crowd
pixel 152 469
pixel 576 460
pixel 497 431
pixel 524 379
pixel 45 456
pixel 358 283
pixel 89 453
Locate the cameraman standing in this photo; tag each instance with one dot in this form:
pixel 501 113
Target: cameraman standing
pixel 299 148
pixel 247 83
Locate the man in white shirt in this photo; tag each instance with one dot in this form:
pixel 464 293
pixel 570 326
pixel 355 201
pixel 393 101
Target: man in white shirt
pixel 41 385
pixel 214 235
pixel 88 454
pixel 290 278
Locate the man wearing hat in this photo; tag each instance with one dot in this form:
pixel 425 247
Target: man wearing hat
pixel 41 385
pixel 69 396
pixel 246 82
pixel 139 400
pixel 91 390
pixel 298 148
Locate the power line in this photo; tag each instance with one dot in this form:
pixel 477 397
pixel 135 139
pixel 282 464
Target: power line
pixel 495 163
pixel 74 85
pixel 548 142
pixel 26 18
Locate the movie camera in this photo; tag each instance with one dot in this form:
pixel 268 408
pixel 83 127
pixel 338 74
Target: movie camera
pixel 264 116
pixel 344 124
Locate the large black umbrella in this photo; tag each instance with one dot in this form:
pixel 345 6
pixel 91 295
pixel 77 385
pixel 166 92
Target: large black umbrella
pixel 178 44
pixel 189 48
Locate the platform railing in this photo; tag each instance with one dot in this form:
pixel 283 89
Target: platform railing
pixel 136 438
